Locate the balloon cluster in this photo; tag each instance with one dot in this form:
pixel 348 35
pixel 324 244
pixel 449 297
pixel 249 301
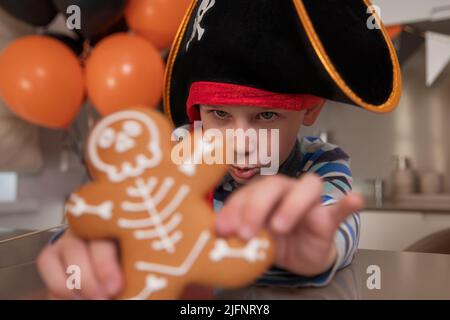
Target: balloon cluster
pixel 114 57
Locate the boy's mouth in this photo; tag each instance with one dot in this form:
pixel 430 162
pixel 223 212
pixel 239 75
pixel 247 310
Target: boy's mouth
pixel 244 173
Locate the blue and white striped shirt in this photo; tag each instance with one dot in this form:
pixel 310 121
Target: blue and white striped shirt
pixel 312 155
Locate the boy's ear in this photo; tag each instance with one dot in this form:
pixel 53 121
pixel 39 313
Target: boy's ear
pixel 312 114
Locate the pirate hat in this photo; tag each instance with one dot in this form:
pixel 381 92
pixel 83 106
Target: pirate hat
pixel 334 49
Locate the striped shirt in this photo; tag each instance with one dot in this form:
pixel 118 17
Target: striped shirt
pixel 312 155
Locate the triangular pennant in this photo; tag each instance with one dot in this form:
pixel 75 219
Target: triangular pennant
pixel 438 55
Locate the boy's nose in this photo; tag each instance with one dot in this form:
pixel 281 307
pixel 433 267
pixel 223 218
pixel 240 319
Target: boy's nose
pixel 245 140
pixel 245 146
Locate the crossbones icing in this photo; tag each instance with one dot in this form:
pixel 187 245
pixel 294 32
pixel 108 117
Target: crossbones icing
pixel 158 212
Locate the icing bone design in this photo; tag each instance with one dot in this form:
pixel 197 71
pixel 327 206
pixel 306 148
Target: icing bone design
pixel 157 210
pixel 167 237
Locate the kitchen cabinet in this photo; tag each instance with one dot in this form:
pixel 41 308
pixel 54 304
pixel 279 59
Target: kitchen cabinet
pixel 395 230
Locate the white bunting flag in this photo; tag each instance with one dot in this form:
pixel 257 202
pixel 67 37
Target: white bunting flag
pixel 438 55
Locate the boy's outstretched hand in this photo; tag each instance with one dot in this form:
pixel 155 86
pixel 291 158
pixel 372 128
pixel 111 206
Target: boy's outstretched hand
pixel 303 229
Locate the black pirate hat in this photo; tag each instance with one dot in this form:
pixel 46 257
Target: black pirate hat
pixel 334 49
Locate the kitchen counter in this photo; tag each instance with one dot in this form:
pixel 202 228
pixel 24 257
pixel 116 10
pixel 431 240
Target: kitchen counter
pixel 404 275
pixel 18 275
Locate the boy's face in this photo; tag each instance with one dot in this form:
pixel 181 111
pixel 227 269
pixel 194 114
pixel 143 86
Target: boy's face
pixel 232 117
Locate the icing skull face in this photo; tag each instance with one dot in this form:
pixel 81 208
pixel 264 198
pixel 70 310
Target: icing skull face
pixel 113 146
pixel 123 140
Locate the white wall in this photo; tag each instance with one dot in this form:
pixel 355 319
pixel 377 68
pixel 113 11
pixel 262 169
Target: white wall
pixel 409 11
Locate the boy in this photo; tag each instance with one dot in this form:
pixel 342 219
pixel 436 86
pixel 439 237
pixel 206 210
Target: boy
pixel 266 64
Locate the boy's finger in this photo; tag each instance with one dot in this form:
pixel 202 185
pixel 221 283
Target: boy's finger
pixel 304 195
pixel 229 217
pixel 76 253
pixel 106 266
pixel 345 207
pixel 52 271
pixel 261 200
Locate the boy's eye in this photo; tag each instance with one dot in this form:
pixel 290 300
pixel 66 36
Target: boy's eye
pixel 268 116
pixel 220 114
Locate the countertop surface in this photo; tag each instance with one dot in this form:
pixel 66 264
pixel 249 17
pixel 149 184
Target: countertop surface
pixel 402 275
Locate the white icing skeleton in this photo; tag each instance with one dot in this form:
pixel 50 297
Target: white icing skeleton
pixel 122 140
pixel 80 207
pixel 184 267
pixel 157 200
pixel 255 250
pixel 162 224
pixel 152 285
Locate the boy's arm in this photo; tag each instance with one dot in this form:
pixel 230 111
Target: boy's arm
pixel 346 242
pixel 333 166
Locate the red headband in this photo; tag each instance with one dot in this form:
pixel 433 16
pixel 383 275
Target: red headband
pixel 214 93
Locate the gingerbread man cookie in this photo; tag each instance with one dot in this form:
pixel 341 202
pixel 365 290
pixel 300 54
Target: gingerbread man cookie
pixel 158 212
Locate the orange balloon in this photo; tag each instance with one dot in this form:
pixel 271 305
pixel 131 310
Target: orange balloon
pixel 156 20
pixel 41 80
pixel 394 31
pixel 123 71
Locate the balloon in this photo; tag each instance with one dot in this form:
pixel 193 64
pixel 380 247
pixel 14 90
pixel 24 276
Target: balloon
pixel 41 81
pixel 395 31
pixel 76 45
pixel 13 28
pixel 124 70
pixel 156 20
pixel 97 16
pixel 36 13
pixel 120 26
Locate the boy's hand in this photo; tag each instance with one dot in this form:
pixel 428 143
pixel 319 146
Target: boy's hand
pixel 101 277
pixel 291 209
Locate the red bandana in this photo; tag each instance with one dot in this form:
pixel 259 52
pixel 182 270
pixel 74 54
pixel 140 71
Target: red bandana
pixel 224 94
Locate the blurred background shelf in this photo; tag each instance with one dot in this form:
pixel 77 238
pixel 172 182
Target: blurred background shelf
pixel 415 202
pixel 405 207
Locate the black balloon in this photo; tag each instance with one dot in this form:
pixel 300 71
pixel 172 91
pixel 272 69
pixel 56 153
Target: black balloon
pixel 120 26
pixel 75 44
pixel 37 13
pixel 97 16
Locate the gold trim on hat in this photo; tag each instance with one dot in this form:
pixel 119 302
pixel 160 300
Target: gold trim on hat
pixel 394 97
pixel 171 60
